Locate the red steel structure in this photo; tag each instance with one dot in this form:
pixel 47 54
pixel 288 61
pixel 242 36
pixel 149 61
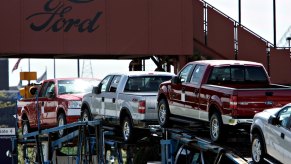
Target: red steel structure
pixel 109 29
pixel 73 28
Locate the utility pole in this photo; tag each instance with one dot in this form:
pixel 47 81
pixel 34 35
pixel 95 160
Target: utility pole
pixel 239 11
pixel 274 22
pixel 78 67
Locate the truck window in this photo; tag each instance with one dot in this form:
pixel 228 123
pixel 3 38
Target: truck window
pixel 197 74
pixel 104 84
pixel 219 75
pixel 114 83
pixel 237 74
pixel 256 74
pixel 284 116
pixel 184 74
pixel 43 89
pixel 145 83
pixel 50 90
pixel 75 86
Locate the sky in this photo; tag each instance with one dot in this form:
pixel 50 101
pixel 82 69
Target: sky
pixel 68 68
pixel 257 15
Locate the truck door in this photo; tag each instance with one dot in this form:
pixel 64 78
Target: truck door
pixel 99 99
pixel 32 112
pixel 49 105
pixel 40 106
pixel 111 97
pixel 287 144
pixel 192 91
pixel 178 92
pixel 279 136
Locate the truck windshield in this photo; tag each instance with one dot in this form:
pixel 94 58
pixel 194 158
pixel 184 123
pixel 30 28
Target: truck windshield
pixel 76 86
pixel 145 83
pixel 237 74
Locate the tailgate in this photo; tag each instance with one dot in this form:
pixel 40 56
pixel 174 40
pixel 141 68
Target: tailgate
pixel 253 101
pixel 133 101
pixel 151 105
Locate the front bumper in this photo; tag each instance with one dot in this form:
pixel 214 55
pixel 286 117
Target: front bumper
pixel 74 112
pixel 73 115
pixel 228 120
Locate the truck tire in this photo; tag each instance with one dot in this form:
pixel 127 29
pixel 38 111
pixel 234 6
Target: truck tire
pixel 86 115
pixel 164 114
pixel 258 149
pixel 127 129
pixel 216 127
pixel 61 121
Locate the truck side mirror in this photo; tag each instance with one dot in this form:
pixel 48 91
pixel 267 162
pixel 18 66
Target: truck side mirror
pixel 95 90
pixel 51 95
pixel 176 80
pixel 32 90
pixel 112 89
pixel 273 120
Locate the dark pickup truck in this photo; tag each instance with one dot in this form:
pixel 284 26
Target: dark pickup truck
pixel 225 93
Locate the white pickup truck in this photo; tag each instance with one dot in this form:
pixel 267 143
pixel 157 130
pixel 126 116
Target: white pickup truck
pixel 129 99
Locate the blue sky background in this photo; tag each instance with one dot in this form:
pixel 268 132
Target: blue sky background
pixel 257 15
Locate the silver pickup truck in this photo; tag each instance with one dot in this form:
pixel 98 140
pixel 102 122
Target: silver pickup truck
pixel 127 99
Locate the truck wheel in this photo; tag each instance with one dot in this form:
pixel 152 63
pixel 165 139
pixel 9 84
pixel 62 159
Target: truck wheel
pixel 25 127
pixel 216 127
pixel 61 121
pixel 127 129
pixel 86 115
pixel 258 149
pixel 164 114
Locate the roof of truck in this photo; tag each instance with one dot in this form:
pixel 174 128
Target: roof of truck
pixel 142 73
pixel 72 78
pixel 227 62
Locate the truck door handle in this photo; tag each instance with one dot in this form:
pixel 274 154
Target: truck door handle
pixel 282 135
pixel 113 100
pixel 102 99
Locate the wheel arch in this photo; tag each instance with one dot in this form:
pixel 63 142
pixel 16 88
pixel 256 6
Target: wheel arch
pixel 161 96
pixel 24 115
pixel 24 112
pixel 256 130
pixel 124 112
pixel 213 108
pixel 61 110
pixel 85 105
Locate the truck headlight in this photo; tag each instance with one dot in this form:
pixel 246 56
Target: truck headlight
pixel 74 104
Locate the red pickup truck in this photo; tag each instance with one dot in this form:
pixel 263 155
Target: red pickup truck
pixel 224 93
pixel 59 102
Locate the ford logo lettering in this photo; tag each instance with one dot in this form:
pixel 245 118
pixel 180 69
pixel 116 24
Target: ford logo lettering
pixel 269 102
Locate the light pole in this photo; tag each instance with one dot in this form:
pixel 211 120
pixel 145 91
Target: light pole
pixel 274 22
pixel 239 11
